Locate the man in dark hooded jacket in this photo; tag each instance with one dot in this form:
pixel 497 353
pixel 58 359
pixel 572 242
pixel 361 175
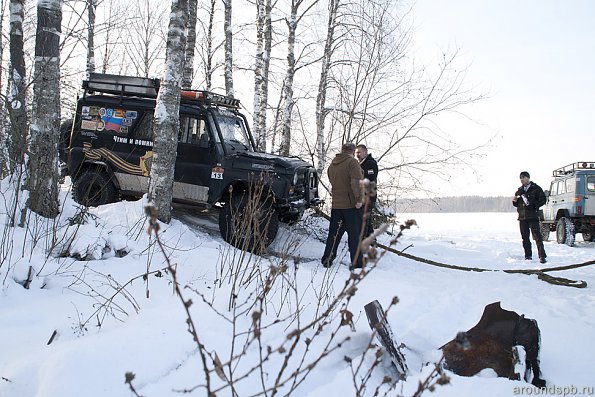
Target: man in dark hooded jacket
pixel 527 200
pixel 370 169
pixel 345 175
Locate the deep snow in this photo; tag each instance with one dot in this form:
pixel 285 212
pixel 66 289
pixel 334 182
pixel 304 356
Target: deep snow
pixel 149 336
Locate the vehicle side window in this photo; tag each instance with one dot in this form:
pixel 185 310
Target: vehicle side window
pixel 554 188
pixel 591 183
pixel 561 187
pixel 144 129
pixel 114 120
pixel 570 185
pixel 192 130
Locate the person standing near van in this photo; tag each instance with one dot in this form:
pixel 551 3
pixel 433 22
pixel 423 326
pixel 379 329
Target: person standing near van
pixel 370 169
pixel 345 175
pixel 527 200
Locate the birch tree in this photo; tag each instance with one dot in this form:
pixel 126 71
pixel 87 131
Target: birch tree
pixel 43 173
pixel 4 137
pixel 144 42
pixel 190 44
pixel 292 25
pixel 390 105
pixel 17 108
pixel 208 52
pixel 91 13
pixel 167 116
pixel 321 110
pixel 228 68
pixel 264 40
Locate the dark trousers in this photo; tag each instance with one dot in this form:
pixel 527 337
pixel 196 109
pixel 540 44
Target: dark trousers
pixel 532 225
pixel 344 220
pixel 368 229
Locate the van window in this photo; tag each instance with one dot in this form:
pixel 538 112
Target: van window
pixel 108 120
pixel 570 185
pixel 561 187
pixel 591 184
pixel 144 129
pixel 192 130
pixel 554 188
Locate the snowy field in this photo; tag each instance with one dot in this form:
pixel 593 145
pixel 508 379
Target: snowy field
pixel 105 320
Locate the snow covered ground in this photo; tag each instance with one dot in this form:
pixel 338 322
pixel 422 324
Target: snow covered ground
pixel 107 320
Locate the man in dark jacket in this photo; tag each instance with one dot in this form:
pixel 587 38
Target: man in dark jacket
pixel 370 169
pixel 527 200
pixel 345 175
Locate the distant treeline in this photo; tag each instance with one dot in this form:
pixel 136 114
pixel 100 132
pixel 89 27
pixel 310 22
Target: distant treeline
pixel 456 204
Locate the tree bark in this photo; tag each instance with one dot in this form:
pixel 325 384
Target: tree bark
pixel 167 113
pixel 91 11
pixel 261 71
pixel 190 44
pixel 292 24
pixel 17 108
pixel 209 54
pixel 43 171
pixel 321 112
pixel 228 69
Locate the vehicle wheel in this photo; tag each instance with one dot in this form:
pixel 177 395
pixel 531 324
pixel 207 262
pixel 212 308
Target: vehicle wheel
pixel 565 232
pixel 545 231
pixel 93 187
pixel 588 236
pixel 248 226
pixel 64 143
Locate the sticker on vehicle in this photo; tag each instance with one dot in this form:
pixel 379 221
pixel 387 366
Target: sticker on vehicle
pixel 217 173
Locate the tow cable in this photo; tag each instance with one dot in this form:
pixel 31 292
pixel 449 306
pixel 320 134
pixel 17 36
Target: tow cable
pixel 540 273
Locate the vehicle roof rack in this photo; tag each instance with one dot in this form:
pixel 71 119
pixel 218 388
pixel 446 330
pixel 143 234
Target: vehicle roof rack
pixel 121 85
pixel 148 88
pixel 571 168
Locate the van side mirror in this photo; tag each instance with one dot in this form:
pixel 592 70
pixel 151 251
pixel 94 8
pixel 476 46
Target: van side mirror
pixel 547 193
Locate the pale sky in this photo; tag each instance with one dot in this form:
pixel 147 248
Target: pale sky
pixel 536 58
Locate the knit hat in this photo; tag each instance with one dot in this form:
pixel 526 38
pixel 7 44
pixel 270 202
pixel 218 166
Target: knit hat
pixel 525 173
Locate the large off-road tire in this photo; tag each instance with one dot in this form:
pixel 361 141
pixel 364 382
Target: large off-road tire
pixel 249 226
pixel 588 236
pixel 565 232
pixel 64 143
pixel 93 187
pixel 545 231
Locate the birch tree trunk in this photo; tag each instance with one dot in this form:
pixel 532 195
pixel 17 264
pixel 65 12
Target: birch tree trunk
pixel 167 113
pixel 43 171
pixel 4 137
pixel 258 77
pixel 209 55
pixel 292 24
pixel 261 70
pixel 228 69
pixel 321 112
pixel 190 44
pixel 17 108
pixel 91 11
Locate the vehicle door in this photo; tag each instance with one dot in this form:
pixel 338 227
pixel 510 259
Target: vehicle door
pixel 195 160
pixel 549 213
pixel 589 195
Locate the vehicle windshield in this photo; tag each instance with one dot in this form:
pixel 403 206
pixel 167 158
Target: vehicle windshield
pixel 233 129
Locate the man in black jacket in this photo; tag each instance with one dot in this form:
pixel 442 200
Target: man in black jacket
pixel 527 200
pixel 370 168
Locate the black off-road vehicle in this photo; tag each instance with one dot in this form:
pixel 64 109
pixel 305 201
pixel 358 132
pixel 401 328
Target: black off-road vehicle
pixel 107 150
